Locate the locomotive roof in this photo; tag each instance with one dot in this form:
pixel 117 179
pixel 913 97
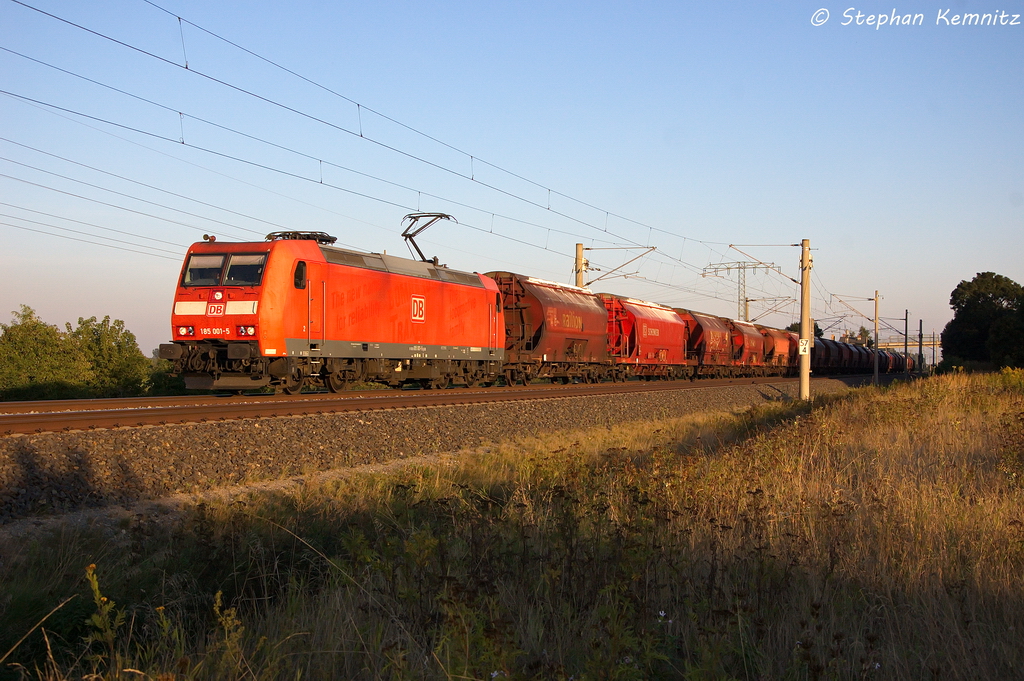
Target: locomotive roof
pixel 396 265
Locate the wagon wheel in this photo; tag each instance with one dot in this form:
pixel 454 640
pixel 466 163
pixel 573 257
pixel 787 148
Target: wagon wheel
pixel 295 381
pixel 511 377
pixel 337 381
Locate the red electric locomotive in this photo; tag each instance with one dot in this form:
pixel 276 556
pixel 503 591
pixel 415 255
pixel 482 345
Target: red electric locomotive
pixel 295 308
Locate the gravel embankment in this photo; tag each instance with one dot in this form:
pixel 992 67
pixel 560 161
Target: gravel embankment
pixel 60 472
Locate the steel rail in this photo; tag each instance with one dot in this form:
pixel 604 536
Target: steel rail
pixel 79 415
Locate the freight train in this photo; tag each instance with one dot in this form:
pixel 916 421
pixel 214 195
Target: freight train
pixel 295 311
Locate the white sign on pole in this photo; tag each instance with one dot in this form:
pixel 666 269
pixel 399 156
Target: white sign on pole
pixel 805 346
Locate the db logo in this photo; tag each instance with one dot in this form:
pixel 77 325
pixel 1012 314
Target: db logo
pixel 215 309
pixel 419 309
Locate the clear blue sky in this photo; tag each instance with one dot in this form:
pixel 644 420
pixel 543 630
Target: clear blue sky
pixel 897 150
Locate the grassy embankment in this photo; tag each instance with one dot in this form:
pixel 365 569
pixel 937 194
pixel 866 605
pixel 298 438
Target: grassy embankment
pixel 877 535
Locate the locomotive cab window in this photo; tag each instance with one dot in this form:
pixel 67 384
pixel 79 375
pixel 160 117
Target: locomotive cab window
pixel 203 270
pixel 300 275
pixel 245 269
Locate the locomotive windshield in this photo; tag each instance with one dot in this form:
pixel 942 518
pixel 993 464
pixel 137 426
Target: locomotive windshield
pixel 203 270
pixel 243 269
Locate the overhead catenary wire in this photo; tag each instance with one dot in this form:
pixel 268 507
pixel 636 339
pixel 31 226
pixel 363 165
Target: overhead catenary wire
pixel 89 224
pixel 206 168
pixel 472 157
pixel 102 203
pixel 129 196
pixel 311 117
pixel 299 153
pixel 354 133
pixel 661 254
pixel 143 184
pixel 76 231
pixel 85 241
pixel 269 168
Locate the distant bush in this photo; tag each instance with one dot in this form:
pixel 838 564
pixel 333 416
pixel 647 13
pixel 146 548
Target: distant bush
pixel 39 361
pixel 161 382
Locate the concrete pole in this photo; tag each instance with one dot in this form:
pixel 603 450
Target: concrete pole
pixel 920 347
pixel 579 265
pixel 906 341
pixel 875 380
pixel 806 330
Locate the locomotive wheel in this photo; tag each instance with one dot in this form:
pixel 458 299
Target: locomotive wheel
pixel 440 383
pixel 337 382
pixel 293 384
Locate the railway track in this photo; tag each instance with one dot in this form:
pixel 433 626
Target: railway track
pixel 76 415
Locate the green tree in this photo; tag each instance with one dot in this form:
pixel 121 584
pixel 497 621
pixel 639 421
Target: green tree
pixel 160 380
pixel 977 305
pixel 119 367
pixel 1006 340
pixel 38 361
pixel 795 328
pixel 865 337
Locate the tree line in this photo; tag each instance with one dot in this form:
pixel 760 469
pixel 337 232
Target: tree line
pixel 96 358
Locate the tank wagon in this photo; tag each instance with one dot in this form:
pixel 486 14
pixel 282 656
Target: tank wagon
pixel 295 309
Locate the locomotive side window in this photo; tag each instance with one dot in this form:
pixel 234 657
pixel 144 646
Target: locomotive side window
pixel 300 275
pixel 203 270
pixel 245 270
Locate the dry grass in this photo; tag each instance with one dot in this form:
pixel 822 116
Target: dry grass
pixel 877 535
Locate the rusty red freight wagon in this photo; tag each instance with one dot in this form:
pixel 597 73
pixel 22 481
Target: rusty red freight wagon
pixel 777 346
pixel 645 339
pixel 295 308
pixel 708 344
pixel 552 330
pixel 747 344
